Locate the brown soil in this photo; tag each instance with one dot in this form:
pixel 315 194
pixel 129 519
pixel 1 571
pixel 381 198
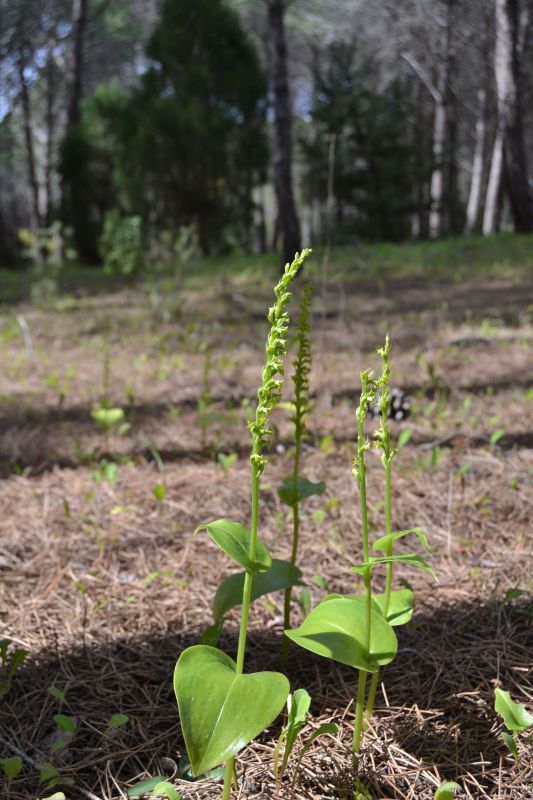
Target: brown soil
pixel 104 585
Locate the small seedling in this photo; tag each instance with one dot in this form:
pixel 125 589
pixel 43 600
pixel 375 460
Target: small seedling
pixel 496 436
pixel 159 491
pixel 117 721
pixel 10 661
pixel 221 708
pixel 404 437
pixel 297 707
pixel 515 718
pixel 446 790
pixel 153 788
pixel 11 767
pixel 226 461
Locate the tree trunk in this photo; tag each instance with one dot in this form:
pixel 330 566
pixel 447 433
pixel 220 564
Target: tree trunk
pixel 79 20
pixel 474 196
pixel 509 158
pixel 441 125
pixel 50 132
pixel 514 154
pixel 28 138
pixel 287 214
pixel 435 192
pixel 490 213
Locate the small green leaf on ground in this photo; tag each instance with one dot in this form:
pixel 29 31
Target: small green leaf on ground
pixel 514 715
pixel 145 787
pixel 118 720
pixel 446 790
pixel 159 492
pixel 12 767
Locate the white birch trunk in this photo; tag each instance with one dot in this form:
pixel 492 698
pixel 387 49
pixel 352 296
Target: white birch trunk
pixel 474 197
pixel 439 133
pixel 502 72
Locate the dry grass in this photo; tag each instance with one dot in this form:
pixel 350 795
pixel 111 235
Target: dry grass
pixel 105 586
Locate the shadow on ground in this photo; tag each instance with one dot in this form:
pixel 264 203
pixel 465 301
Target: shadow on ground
pixel 439 693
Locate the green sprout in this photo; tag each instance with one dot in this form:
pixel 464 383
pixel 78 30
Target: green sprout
pixel 515 718
pixel 221 708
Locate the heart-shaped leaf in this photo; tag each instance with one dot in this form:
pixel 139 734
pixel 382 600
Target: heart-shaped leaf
pixel 515 716
pixel 234 540
pixel 220 711
pixel 107 418
pixel 336 629
pixel 413 559
pixel 291 494
pixel 385 541
pixel 281 575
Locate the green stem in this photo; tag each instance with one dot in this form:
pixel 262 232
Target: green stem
pixel 228 775
pixel 359 708
pixel 245 613
pixel 389 552
pixel 360 703
pixel 295 538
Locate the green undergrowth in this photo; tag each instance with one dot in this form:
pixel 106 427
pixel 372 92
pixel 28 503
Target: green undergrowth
pixel 504 255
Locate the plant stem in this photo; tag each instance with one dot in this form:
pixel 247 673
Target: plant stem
pixel 387 457
pixel 295 536
pixel 361 473
pixel 359 708
pixel 245 613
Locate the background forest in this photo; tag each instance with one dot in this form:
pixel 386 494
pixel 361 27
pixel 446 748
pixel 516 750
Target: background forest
pixel 134 130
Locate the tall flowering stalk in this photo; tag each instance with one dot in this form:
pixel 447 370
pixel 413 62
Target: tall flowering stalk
pixel 382 438
pixel 368 391
pixel 301 408
pixel 222 709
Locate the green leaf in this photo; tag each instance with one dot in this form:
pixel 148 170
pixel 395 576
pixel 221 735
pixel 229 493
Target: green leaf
pixel 513 594
pixel 325 727
pixel 413 559
pixel 446 790
pixel 385 541
pixel 48 774
pixel 107 418
pixel 56 693
pixel 304 489
pixel 305 600
pixel 166 789
pixel 508 738
pixel 400 608
pixel 298 705
pixel 117 721
pixel 145 787
pixel 159 491
pixel 55 796
pixel 336 629
pixel 234 540
pixel 12 767
pixel 64 723
pixel 211 635
pixel 229 593
pixel 515 716
pixel 404 437
pixel 496 436
pixel 220 711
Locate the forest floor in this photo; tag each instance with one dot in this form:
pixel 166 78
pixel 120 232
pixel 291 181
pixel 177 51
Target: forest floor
pixel 104 584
